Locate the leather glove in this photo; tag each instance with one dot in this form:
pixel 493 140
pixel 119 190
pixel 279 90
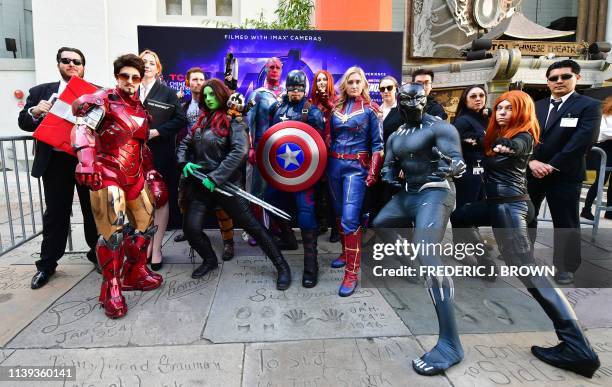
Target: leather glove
pixel 375 166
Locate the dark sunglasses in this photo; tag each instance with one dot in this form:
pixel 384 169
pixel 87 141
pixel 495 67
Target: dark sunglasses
pixel 386 88
pixel 565 77
pixel 76 62
pixel 126 77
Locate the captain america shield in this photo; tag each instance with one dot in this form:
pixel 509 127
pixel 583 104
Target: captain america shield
pixel 291 156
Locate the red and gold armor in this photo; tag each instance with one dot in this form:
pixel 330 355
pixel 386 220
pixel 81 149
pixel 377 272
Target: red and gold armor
pixel 109 140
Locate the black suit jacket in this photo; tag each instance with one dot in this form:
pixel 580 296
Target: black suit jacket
pixel 392 121
pixel 27 123
pixel 565 147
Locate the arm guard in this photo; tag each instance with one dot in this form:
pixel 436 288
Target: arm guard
pixel 154 179
pixel 375 166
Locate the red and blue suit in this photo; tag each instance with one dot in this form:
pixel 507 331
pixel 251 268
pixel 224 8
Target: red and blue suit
pixel 355 160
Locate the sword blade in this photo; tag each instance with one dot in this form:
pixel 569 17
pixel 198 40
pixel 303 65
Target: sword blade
pixel 256 200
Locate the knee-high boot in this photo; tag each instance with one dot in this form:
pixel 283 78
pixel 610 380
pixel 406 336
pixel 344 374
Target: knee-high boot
pixel 448 351
pixel 311 264
pixel 341 260
pixel 286 240
pixel 135 274
pixel 352 253
pixel 201 244
pixel 110 259
pixel 574 352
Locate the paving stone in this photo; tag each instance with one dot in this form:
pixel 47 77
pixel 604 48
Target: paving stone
pixel 592 306
pixel 336 362
pixel 19 304
pixel 505 359
pixel 5 354
pixel 172 314
pixel 479 308
pixel 219 365
pixel 248 308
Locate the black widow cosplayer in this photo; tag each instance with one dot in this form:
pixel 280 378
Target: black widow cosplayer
pixel 218 146
pixel 428 151
pixel 508 146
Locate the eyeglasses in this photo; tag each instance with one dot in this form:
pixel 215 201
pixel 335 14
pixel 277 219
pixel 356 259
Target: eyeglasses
pixel 76 62
pixel 386 88
pixel 297 89
pixel 565 77
pixel 126 77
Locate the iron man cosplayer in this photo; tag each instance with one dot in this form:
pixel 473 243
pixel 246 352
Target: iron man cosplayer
pixel 109 140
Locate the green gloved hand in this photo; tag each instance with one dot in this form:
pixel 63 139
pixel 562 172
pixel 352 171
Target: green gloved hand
pixel 189 168
pixel 209 184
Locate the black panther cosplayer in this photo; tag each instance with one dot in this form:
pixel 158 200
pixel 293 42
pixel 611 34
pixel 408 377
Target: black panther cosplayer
pixel 428 151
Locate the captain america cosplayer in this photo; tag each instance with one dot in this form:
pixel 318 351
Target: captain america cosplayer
pixel 354 163
pixel 295 107
pixel 260 103
pixel 428 151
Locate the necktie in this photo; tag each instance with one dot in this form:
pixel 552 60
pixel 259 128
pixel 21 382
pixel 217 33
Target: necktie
pixel 554 112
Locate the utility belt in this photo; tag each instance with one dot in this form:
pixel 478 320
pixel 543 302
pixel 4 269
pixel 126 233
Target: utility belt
pixel 364 158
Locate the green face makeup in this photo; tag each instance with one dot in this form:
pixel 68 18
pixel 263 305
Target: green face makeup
pixel 210 99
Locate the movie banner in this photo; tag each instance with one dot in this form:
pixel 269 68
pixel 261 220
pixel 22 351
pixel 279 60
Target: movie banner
pixel 179 48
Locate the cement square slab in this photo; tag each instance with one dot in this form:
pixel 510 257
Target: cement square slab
pixel 505 359
pixel 5 354
pixel 218 365
pixel 593 306
pixel 19 304
pixel 479 308
pixel 172 314
pixel 335 362
pixel 248 308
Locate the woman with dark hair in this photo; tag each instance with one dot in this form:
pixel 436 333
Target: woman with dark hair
pixel 471 122
pixel 162 142
pixel 217 146
pixel 508 145
pixel 323 96
pixel 604 142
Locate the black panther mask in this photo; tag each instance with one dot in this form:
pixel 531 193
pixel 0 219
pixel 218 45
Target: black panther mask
pixel 411 101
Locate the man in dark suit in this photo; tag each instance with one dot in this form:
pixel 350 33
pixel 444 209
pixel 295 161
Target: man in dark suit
pixel 569 125
pixel 57 171
pixel 426 77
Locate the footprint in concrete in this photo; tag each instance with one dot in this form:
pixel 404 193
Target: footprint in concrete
pixel 501 313
pixel 4 297
pixel 465 316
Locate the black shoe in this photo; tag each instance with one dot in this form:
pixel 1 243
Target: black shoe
pixel 564 277
pixel 40 279
pixel 573 353
pixel 204 269
pixel 228 250
pixel 334 236
pixel 180 238
pixel 586 213
pixel 310 279
pixel 283 277
pixel 158 266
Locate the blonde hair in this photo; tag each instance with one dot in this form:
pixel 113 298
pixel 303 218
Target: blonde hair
pixel 365 93
pixel 157 61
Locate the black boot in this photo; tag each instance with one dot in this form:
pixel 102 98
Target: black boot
pixel 286 240
pixel 334 235
pixel 228 250
pixel 199 242
pixel 574 352
pixel 283 272
pixel 311 265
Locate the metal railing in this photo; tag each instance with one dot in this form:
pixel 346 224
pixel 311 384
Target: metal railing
pixel 598 200
pixel 16 209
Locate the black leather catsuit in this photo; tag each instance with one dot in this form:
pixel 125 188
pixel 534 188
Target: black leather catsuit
pixel 508 210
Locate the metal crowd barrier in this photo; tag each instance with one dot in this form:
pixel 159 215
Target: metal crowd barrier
pixel 21 195
pixel 598 200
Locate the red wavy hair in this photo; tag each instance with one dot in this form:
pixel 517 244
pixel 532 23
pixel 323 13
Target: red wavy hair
pixel 331 91
pixel 523 119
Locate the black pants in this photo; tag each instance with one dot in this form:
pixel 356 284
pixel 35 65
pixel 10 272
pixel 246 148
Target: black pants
pixel 469 188
pixel 563 199
pixel 59 182
pixel 237 208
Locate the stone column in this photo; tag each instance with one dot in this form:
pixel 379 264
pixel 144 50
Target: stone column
pixel 608 36
pixel 601 20
pixel 591 35
pixel 581 23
